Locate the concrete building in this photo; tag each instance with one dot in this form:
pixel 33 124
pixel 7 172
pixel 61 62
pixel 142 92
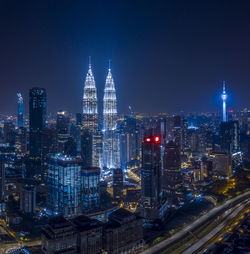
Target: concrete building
pixel 59 236
pixel 89 235
pixel 123 232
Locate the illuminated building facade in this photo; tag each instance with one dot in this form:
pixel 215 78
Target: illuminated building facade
pixel 64 185
pixel 90 115
pixel 62 129
pixel 111 147
pixel 20 110
pixel 90 188
pixel 130 142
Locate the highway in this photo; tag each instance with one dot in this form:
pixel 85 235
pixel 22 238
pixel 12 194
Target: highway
pixel 160 247
pixel 210 235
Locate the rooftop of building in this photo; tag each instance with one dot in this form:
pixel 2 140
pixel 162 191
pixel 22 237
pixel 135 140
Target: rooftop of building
pixel 64 158
pixel 122 213
pixel 84 223
pixel 111 225
pixel 58 222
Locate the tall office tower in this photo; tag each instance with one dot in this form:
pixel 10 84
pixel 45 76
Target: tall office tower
pixel 172 178
pixel 90 116
pixel 90 189
pixel 20 110
pixel 118 184
pixel 62 129
pixel 184 135
pixel 151 174
pixel 75 132
pixel 28 198
pixel 177 131
pixel 224 99
pixel 49 141
pixel 129 142
pixel 21 140
pixel 64 184
pixel 111 153
pixel 9 133
pixel 161 129
pixel 37 117
pixel 230 136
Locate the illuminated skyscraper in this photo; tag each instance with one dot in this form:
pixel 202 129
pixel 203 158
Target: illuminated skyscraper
pixel 64 184
pixel 20 110
pixel 90 113
pixel 62 129
pixel 111 153
pixel 224 98
pixel 90 116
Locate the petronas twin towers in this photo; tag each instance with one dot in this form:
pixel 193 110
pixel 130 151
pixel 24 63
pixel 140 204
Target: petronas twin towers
pixel 105 143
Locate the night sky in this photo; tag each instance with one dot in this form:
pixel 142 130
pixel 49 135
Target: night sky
pixel 166 56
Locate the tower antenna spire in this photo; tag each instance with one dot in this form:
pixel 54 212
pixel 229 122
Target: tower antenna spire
pixel 224 106
pixel 109 65
pixel 89 61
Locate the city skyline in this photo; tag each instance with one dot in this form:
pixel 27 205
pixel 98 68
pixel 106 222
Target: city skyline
pixel 155 41
pixel 124 127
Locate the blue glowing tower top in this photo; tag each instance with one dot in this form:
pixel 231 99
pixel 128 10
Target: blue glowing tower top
pixel 224 98
pixel 20 110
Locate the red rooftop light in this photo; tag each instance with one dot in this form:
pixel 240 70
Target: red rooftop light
pixel 157 139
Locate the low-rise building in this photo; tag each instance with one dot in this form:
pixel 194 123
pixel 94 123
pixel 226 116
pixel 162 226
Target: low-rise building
pixel 59 236
pixel 89 235
pixel 123 232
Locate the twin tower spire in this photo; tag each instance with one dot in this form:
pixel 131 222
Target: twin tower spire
pixel 90 115
pixel 90 101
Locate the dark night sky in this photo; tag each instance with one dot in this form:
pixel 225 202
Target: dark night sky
pixel 166 55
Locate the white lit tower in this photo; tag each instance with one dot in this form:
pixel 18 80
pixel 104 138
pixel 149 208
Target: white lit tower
pixel 224 98
pixel 90 116
pixel 111 153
